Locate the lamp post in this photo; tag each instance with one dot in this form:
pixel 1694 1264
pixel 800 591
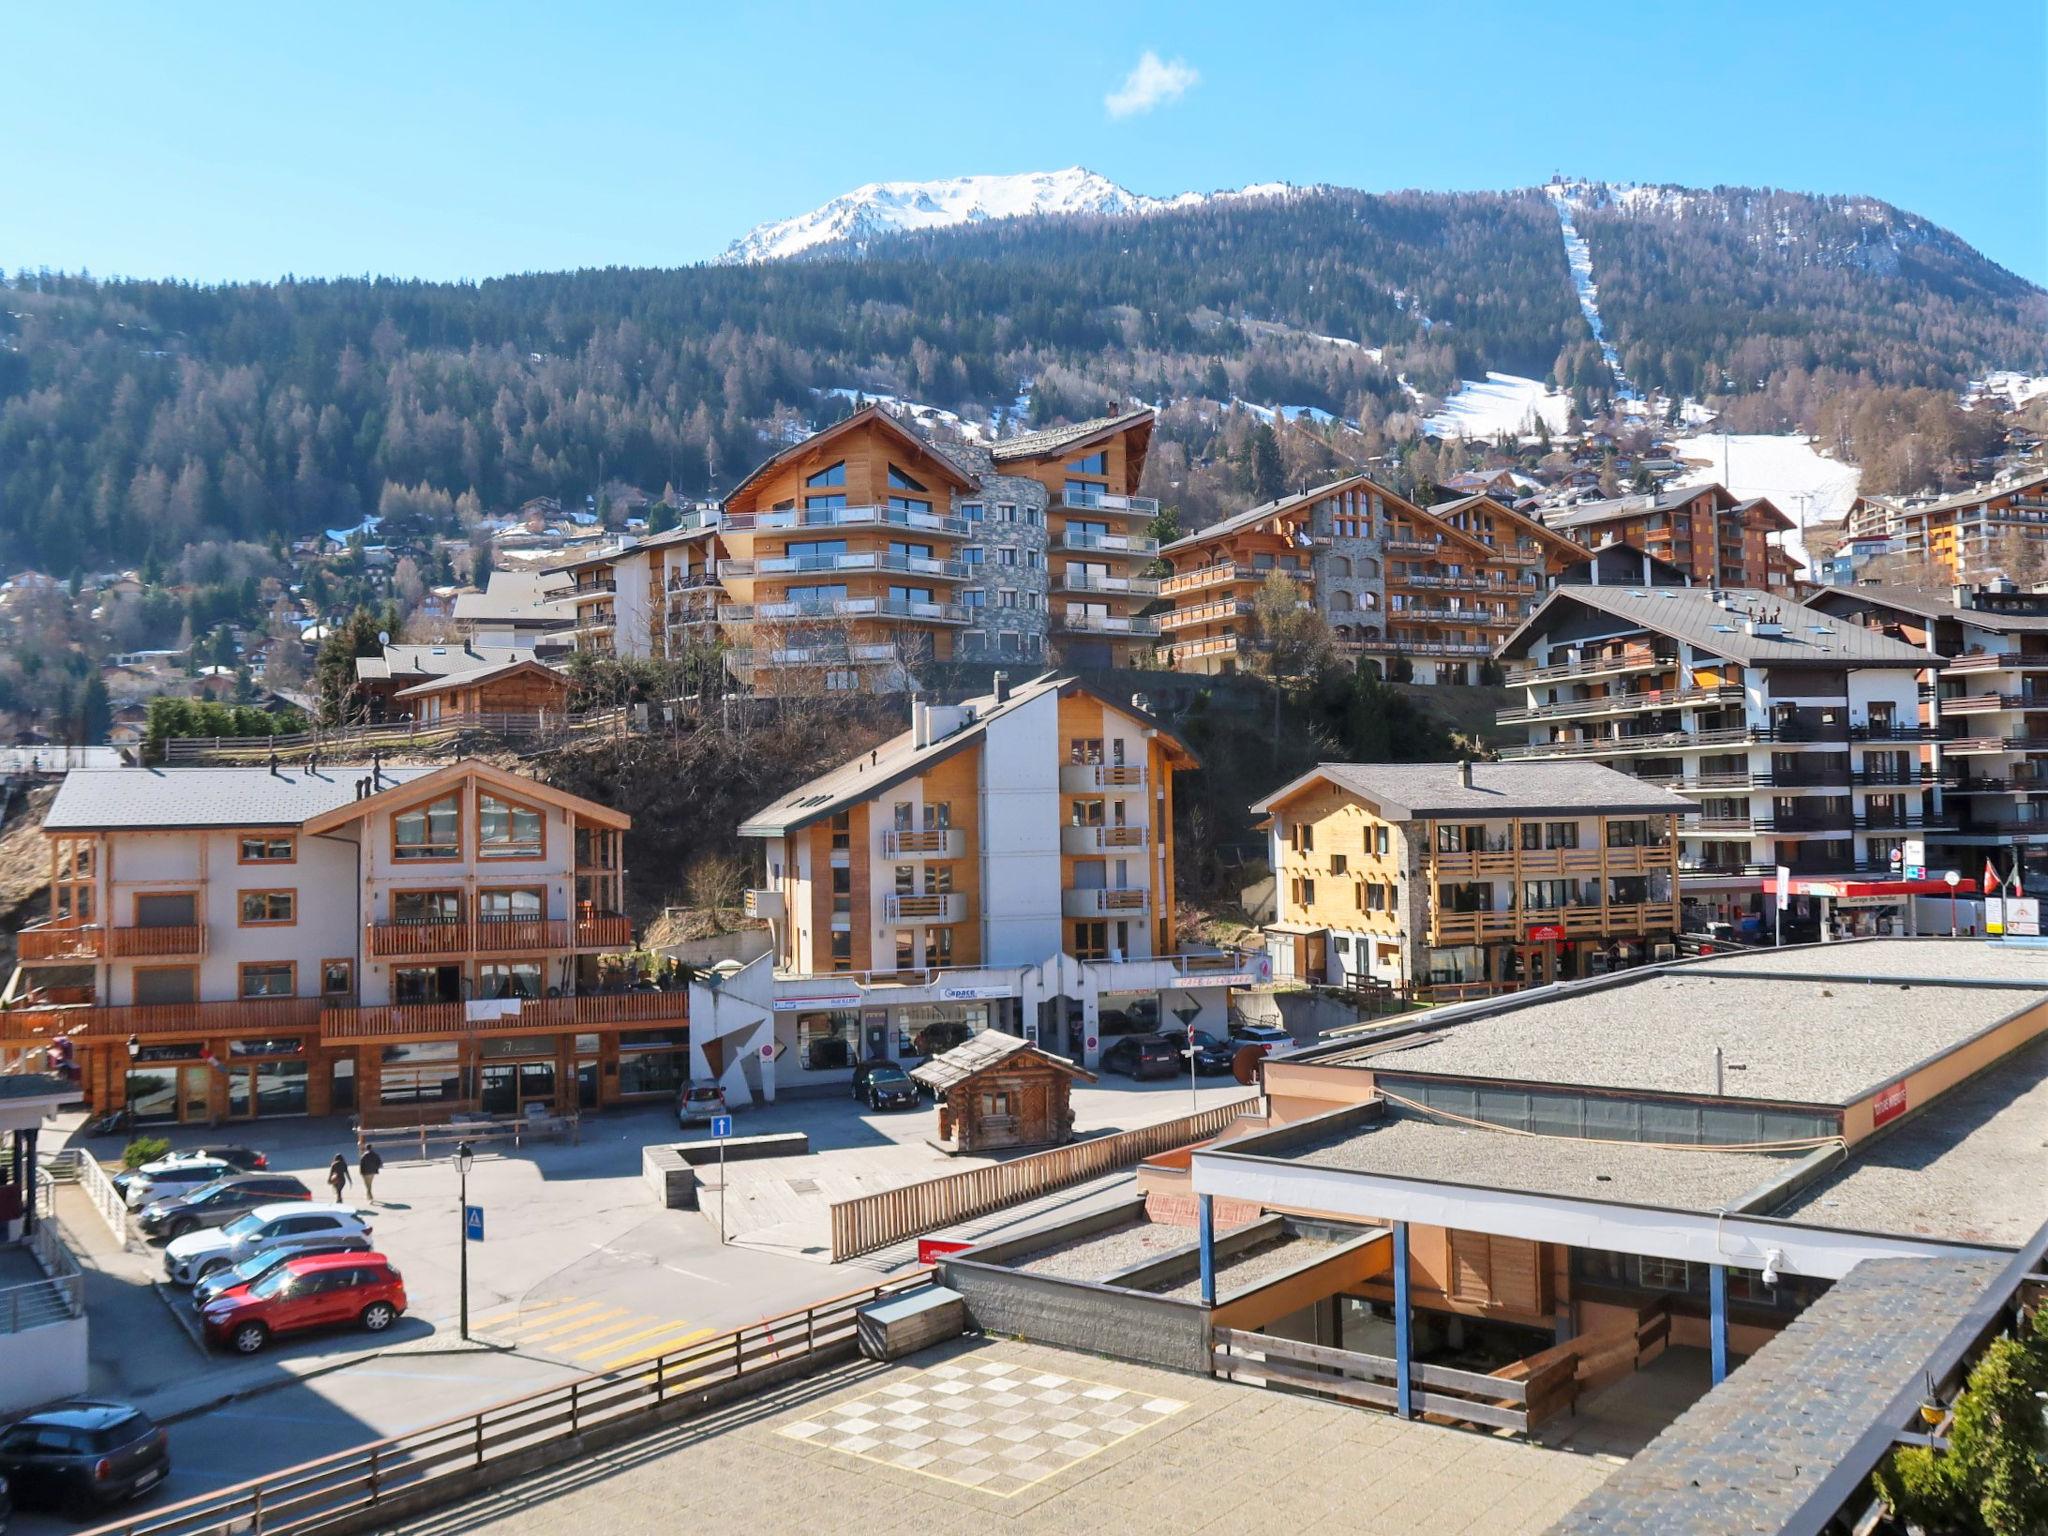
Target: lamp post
pixel 464 1156
pixel 1953 880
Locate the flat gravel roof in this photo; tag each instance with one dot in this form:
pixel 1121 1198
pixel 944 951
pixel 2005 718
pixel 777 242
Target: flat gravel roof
pixel 1974 1168
pixel 1099 1255
pixel 1933 959
pixel 1247 1271
pixel 1404 1146
pixel 1811 1042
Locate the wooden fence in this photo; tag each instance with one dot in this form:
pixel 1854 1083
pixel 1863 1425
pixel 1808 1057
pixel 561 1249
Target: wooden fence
pixel 1437 1391
pixel 375 1484
pixel 896 1215
pixel 528 728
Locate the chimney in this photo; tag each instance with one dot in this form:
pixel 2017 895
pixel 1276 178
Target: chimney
pixel 920 722
pixel 1961 594
pixel 1465 772
pixel 1002 687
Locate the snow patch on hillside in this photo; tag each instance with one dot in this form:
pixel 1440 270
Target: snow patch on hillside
pixel 883 208
pixel 919 414
pixel 1578 257
pixel 2017 388
pixel 1787 468
pixel 1502 402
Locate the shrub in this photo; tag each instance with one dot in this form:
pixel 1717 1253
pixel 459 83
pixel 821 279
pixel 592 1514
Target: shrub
pixel 143 1149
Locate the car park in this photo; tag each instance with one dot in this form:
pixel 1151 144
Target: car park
pixel 1268 1037
pixel 169 1177
pixel 884 1085
pixel 221 1278
pixel 1213 1057
pixel 1142 1056
pixel 289 1224
pixel 235 1159
pixel 83 1455
pixel 699 1102
pixel 335 1290
pixel 218 1203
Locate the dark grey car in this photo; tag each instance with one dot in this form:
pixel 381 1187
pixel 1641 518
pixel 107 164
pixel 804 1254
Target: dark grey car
pixel 83 1455
pixel 218 1203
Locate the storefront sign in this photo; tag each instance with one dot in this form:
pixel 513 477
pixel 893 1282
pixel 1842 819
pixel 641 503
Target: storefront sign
pixel 1194 981
pixel 1916 858
pixel 974 994
pixel 2023 916
pixel 801 1004
pixel 1889 1104
pixel 1545 933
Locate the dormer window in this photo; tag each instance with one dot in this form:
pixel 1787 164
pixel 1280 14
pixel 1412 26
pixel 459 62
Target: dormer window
pixel 833 474
pixel 899 481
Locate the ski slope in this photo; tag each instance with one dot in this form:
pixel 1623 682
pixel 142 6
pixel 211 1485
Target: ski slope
pixel 1501 402
pixel 1787 468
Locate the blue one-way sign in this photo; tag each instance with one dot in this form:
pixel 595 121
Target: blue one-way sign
pixel 721 1126
pixel 473 1223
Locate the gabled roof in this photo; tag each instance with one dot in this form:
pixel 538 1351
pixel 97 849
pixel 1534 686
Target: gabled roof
pixel 1057 440
pixel 1978 494
pixel 990 1048
pixel 1588 513
pixel 434 781
pixel 900 758
pixel 1717 621
pixel 483 675
pixel 511 597
pixel 1931 605
pixel 149 799
pixel 869 416
pixel 1407 791
pixel 1443 511
pixel 438 660
pixel 1254 515
pixel 696 526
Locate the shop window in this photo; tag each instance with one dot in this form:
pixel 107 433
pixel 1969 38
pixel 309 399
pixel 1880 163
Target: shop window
pixel 508 830
pixel 269 978
pixel 827 1042
pixel 259 908
pixel 430 831
pixel 267 849
pixel 422 1072
pixel 652 1072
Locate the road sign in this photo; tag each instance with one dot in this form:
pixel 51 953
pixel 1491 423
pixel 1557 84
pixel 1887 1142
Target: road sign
pixel 473 1223
pixel 721 1125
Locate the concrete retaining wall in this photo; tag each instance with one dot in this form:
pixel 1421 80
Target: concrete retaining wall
pixel 1101 1319
pixel 41 1364
pixel 673 1181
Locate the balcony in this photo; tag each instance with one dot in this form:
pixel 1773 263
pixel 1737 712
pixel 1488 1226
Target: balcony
pixel 843 609
pixel 499 935
pixel 1138 586
pixel 1226 611
pixel 1649 698
pixel 1105 501
pixel 243 1016
pixel 766 906
pixel 1108 543
pixel 1404 646
pixel 1429 582
pixel 534 1015
pixel 164 940
pixel 1517 863
pixel 1997 661
pixel 1119 901
pixel 1105 624
pixel 1407 544
pixel 1206 576
pixel 490 935
pixel 604 930
pixel 60 943
pixel 925 843
pixel 849 517
pixel 744 658
pixel 1081 778
pixel 865 560
pixel 1212 645
pixel 1618 920
pixel 1093 840
pixel 930 907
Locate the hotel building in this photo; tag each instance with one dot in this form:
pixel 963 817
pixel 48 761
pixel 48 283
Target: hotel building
pixel 1451 880
pixel 1704 530
pixel 1797 735
pixel 1980 532
pixel 401 944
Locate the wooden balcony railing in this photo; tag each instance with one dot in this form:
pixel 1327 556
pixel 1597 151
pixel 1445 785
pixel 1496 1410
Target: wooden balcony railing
pixel 399 940
pixel 60 943
pixel 235 1016
pixel 604 930
pixel 1514 863
pixel 535 1015
pixel 504 935
pixel 169 939
pixel 1576 922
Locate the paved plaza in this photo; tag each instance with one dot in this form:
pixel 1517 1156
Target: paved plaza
pixel 1015 1437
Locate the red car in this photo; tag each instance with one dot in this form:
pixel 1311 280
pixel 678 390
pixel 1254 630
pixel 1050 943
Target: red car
pixel 330 1290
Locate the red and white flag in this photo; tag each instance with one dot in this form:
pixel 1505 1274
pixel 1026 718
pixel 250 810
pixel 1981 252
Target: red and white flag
pixel 1991 880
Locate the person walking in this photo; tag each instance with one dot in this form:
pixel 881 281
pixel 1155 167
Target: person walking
pixel 370 1166
pixel 337 1175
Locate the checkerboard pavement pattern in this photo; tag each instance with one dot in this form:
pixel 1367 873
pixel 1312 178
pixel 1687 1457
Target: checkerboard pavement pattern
pixel 995 1427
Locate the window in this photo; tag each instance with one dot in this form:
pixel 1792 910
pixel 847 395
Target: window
pixel 1089 941
pixel 974 597
pixel 899 481
pixel 833 474
pixel 426 906
pixel 842 950
pixel 1339 864
pixel 509 978
pixel 337 978
pixel 1379 841
pixel 424 1072
pixel 1664 1274
pixel 1006 557
pixel 972 512
pixel 1034 518
pixel 842 829
pixel 426 983
pixel 1306 892
pixel 909 504
pixel 261 907
pixel 974 554
pixel 430 831
pixel 508 830
pixel 1094 464
pixel 269 978
pixel 1560 834
pixel 1086 813
pixel 1532 835
pixel 827 1042
pixel 1085 750
pixel 832 502
pixel 1007 598
pixel 842 680
pixel 266 848
pixel 1304 834
pixel 938 948
pixel 505 906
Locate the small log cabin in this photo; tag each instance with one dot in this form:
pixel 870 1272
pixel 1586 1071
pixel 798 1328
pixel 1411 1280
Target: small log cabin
pixel 999 1091
pixel 522 687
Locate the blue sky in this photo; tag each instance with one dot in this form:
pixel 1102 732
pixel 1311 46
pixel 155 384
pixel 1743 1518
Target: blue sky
pixel 437 139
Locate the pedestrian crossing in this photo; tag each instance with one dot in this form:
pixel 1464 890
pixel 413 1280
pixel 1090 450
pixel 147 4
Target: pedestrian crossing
pixel 590 1334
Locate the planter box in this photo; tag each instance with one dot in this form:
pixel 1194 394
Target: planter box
pixel 901 1326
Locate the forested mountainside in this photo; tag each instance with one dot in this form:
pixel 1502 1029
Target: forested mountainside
pixel 137 416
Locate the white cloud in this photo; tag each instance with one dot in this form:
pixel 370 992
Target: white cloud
pixel 1152 84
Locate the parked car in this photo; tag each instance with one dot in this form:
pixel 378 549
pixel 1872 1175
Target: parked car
pixel 287 1224
pixel 169 1177
pixel 218 1278
pixel 218 1203
pixel 83 1455
pixel 1213 1057
pixel 332 1290
pixel 1268 1037
pixel 1139 1017
pixel 1142 1056
pixel 697 1103
pixel 236 1159
pixel 884 1085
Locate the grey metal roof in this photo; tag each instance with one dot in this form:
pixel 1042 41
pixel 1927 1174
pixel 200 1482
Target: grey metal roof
pixel 990 1048
pixel 1748 1456
pixel 1587 513
pixel 438 660
pixel 513 597
pixel 1037 445
pixel 1932 605
pixel 1717 621
pixel 1978 494
pixel 473 675
pixel 109 799
pixel 1405 791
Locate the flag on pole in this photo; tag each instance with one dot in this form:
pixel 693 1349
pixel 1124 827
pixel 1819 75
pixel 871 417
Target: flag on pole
pixel 2017 888
pixel 1991 880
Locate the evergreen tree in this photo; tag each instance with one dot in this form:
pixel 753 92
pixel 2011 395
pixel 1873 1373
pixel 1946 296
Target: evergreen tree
pixel 1269 479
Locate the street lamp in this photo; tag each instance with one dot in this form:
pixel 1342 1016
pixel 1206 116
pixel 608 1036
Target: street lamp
pixel 1953 880
pixel 134 1046
pixel 464 1156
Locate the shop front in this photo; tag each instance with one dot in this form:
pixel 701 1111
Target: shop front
pixel 827 1040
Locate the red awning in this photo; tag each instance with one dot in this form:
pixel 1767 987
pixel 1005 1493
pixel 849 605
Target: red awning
pixel 1820 885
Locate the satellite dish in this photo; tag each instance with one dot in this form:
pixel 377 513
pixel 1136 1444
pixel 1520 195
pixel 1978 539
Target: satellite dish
pixel 383 637
pixel 1244 1066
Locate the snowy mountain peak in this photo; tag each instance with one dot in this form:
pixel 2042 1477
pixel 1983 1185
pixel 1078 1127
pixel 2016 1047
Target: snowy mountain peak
pixel 851 221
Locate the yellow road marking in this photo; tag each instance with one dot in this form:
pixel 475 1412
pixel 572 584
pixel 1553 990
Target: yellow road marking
pixel 658 1349
pixel 632 1338
pixel 523 1312
pixel 626 1320
pixel 553 1314
pixel 577 1326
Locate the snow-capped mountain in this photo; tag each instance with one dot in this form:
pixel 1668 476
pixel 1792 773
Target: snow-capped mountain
pixel 880 208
